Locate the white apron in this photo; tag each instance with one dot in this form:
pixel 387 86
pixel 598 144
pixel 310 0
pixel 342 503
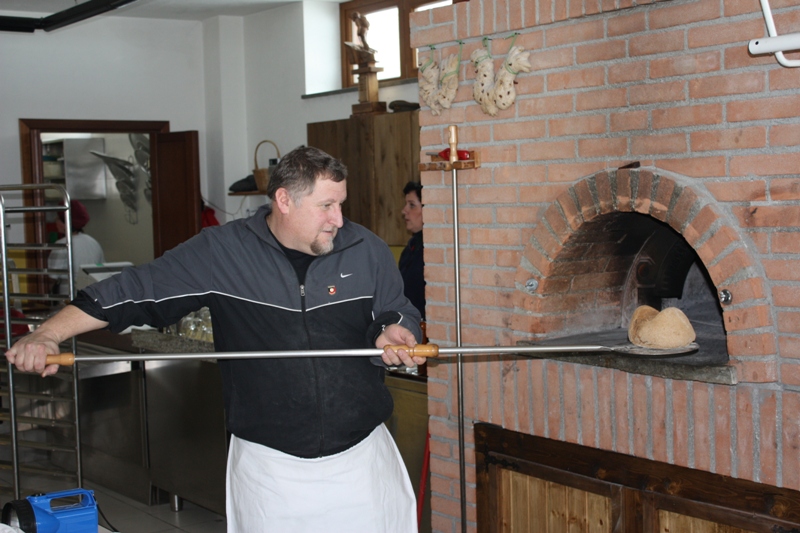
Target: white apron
pixel 365 489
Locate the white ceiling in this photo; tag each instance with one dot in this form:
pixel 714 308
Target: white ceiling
pixel 162 9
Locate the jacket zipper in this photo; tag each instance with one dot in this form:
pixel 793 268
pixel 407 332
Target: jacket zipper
pixel 314 364
pixel 315 375
pixel 313 360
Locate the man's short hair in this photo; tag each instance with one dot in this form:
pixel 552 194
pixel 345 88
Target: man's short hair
pixel 297 171
pixel 413 186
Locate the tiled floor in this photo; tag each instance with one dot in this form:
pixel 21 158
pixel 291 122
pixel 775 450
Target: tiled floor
pixel 130 516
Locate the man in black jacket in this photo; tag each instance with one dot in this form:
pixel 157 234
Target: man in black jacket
pixel 309 450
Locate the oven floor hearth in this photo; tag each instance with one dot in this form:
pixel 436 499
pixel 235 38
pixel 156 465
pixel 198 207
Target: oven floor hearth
pixel 708 364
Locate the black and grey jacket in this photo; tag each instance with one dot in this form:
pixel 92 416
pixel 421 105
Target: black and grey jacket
pixel 307 407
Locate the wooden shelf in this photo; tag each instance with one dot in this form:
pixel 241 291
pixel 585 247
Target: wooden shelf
pixel 438 163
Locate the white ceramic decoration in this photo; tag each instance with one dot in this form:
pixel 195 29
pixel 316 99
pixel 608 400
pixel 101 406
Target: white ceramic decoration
pixel 483 88
pixel 516 61
pixel 429 84
pixel 438 85
pixel 495 92
pixel 448 80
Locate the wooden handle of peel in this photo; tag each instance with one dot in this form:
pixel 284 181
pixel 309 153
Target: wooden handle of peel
pixel 420 350
pixel 453 140
pixel 63 359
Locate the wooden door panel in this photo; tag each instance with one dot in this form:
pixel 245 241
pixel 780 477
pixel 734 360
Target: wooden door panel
pixel 598 509
pixel 530 504
pixel 555 505
pixel 699 517
pixel 176 191
pixel 591 490
pixel 673 522
pixel 537 492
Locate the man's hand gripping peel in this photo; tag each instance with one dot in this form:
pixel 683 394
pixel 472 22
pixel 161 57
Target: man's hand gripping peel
pixel 395 334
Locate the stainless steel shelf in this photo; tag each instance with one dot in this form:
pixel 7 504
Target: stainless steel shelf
pixel 40 415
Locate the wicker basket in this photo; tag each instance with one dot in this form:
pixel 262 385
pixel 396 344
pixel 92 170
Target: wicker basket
pixel 262 174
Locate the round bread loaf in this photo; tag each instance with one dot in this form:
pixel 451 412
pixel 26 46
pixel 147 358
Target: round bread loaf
pixel 668 329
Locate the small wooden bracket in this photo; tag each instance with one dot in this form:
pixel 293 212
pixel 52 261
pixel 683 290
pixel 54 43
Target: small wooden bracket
pixel 438 163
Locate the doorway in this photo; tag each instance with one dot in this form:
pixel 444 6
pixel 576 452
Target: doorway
pixel 174 174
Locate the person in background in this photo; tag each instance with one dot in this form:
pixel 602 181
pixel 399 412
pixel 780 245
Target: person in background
pixel 412 264
pixel 309 451
pixel 85 249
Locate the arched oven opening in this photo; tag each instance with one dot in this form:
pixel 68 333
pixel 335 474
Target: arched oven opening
pixel 616 262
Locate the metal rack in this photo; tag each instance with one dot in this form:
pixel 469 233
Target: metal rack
pixel 40 443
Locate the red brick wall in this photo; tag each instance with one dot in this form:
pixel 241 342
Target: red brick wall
pixel 669 84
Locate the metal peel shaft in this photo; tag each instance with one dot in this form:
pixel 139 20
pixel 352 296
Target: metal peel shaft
pixel 67 359
pixel 420 350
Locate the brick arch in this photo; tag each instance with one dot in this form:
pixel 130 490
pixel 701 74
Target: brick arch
pixel 576 281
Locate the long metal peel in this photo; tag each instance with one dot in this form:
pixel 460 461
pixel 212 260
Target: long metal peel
pixel 420 350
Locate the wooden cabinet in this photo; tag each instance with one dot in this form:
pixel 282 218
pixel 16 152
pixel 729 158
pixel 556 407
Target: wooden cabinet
pixel 527 483
pixel 382 155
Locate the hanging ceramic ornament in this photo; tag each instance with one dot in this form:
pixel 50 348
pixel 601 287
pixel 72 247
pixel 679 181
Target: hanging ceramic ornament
pixel 448 80
pixel 516 61
pixel 483 88
pixel 495 92
pixel 429 84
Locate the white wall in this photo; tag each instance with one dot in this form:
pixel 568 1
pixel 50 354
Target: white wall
pixel 322 60
pixel 226 112
pixel 275 77
pixel 111 68
pixel 235 80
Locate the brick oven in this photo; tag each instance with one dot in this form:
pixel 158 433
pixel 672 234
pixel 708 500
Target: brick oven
pixel 647 158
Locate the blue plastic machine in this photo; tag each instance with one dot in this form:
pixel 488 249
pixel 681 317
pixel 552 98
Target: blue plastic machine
pixel 43 514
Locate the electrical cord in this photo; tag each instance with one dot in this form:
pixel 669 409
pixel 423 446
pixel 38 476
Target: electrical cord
pixel 234 214
pixel 108 524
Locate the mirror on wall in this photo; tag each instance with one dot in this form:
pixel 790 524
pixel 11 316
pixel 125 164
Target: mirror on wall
pixel 109 173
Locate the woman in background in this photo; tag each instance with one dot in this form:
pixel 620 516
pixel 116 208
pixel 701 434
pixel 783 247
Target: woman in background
pixel 85 249
pixel 412 264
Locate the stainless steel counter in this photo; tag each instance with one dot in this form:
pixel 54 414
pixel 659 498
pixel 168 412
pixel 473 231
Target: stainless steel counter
pixel 186 424
pixel 114 425
pixel 154 428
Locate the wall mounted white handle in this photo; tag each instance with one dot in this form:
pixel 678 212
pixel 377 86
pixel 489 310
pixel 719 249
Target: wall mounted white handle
pixel 775 44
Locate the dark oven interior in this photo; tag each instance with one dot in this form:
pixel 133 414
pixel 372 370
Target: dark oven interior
pixel 666 272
